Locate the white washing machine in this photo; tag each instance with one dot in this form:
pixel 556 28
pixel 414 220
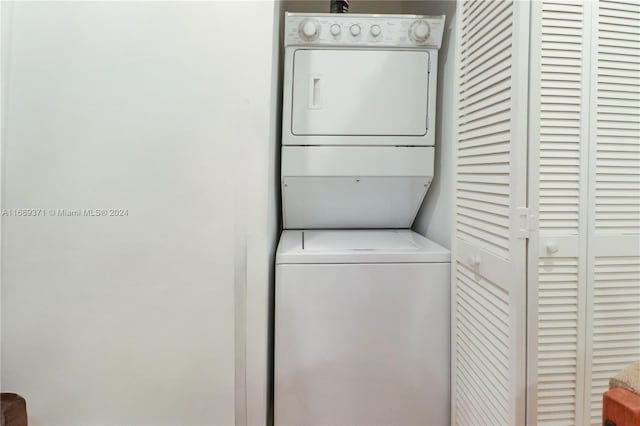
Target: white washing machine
pixel 361 315
pixel 361 329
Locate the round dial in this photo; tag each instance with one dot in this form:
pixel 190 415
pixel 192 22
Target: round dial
pixel 335 29
pixel 355 30
pixel 420 31
pixel 309 29
pixel 375 30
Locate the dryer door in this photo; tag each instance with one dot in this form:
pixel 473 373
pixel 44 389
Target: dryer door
pixel 360 93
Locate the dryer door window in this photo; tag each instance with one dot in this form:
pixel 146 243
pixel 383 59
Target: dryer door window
pixel 360 92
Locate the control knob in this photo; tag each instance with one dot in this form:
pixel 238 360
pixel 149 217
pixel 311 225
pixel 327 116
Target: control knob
pixel 355 30
pixel 375 30
pixel 309 29
pixel 420 31
pixel 335 30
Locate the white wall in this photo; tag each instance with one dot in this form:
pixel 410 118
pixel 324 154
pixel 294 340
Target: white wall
pixel 355 6
pixel 166 110
pixel 263 233
pixel 435 217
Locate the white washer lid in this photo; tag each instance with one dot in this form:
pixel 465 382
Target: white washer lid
pixel 358 246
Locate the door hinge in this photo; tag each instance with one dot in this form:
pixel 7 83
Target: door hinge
pixel 527 222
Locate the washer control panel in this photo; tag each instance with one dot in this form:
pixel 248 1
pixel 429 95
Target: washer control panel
pixel 344 29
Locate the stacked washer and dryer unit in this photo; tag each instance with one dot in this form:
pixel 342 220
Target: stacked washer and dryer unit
pixel 362 302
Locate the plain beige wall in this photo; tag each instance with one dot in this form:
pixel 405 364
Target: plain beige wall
pixel 167 110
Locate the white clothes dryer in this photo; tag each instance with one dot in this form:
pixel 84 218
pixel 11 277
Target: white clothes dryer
pixel 361 329
pixel 358 118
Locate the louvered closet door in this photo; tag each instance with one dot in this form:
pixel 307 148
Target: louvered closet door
pixel 613 270
pixel 559 133
pixel 488 296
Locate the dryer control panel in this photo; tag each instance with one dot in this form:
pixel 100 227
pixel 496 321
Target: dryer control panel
pixel 344 29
